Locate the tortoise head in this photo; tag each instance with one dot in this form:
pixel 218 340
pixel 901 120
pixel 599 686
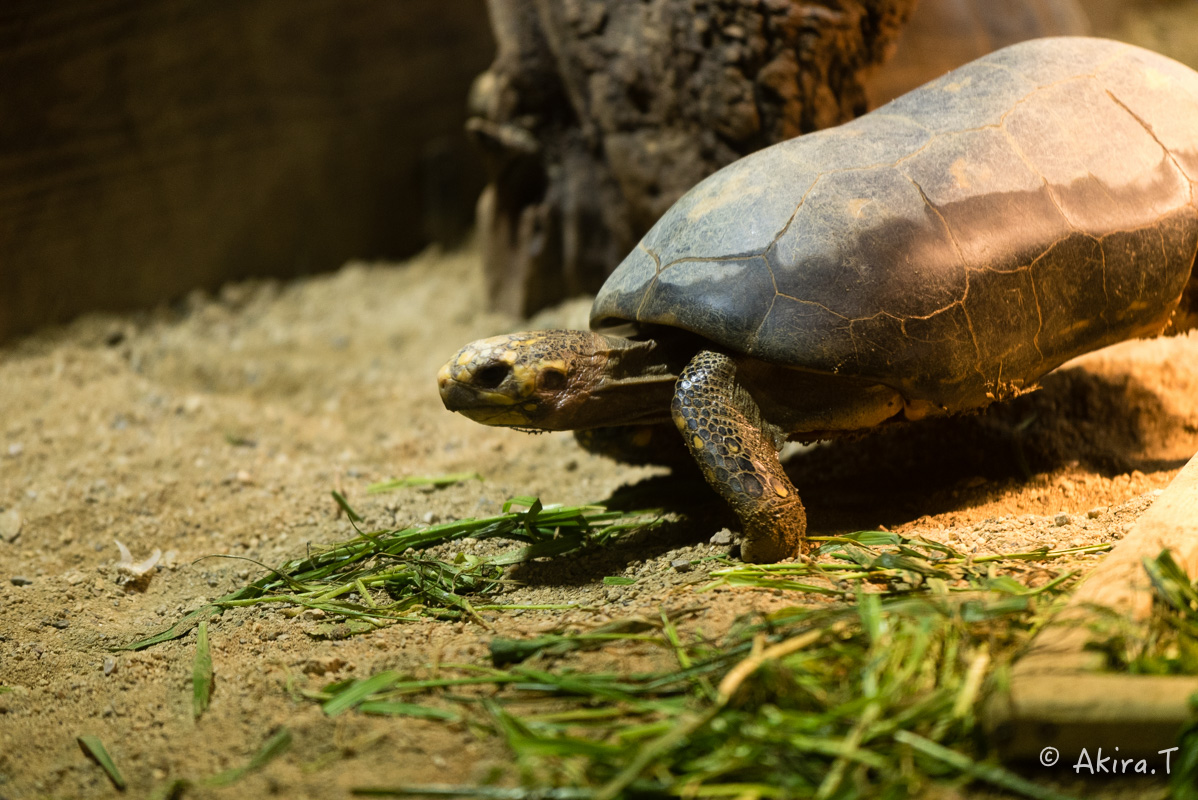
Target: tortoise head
pixel 554 380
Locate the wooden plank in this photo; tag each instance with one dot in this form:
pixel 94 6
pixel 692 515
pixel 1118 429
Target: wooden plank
pixel 1140 714
pixel 151 146
pixel 1057 698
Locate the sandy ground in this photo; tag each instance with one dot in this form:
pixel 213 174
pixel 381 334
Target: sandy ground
pixel 220 427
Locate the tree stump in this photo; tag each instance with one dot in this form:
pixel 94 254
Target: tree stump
pixel 598 114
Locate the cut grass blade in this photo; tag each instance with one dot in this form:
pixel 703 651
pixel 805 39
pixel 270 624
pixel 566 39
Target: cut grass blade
pixel 1172 646
pixel 513 651
pixel 354 692
pixel 344 505
pixel 95 750
pixel 437 481
pixel 274 747
pixel 397 709
pixel 171 790
pixel 1184 780
pixel 1172 584
pixel 177 631
pixel 988 773
pixel 484 792
pixel 201 673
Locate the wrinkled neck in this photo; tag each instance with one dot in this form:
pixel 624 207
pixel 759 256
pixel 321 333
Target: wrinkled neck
pixel 632 383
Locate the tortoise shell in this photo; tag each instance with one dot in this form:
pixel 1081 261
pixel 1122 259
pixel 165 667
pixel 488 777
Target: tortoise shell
pixel 957 243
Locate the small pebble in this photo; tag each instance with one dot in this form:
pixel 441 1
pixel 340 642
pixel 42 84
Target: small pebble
pixel 1094 513
pixel 109 665
pixel 722 537
pixel 10 525
pixel 20 580
pixel 1061 519
pixel 681 564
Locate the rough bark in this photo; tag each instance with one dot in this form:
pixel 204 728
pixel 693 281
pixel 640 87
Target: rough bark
pixel 598 114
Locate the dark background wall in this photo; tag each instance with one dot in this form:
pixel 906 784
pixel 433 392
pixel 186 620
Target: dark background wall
pixel 148 147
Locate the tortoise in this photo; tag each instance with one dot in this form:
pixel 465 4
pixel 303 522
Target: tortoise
pixel 942 252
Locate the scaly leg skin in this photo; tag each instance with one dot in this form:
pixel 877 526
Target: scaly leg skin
pixel 737 451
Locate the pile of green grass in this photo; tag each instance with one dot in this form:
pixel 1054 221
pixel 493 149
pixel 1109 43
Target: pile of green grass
pixel 871 693
pixel 870 697
pixel 383 577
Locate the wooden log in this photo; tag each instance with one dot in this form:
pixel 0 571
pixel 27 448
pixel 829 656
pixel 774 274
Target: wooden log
pixel 151 146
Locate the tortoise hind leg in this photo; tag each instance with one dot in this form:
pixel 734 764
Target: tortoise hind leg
pixel 737 451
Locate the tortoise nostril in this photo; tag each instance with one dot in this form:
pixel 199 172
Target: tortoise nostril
pixel 489 377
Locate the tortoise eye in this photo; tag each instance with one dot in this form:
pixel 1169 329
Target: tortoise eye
pixel 553 380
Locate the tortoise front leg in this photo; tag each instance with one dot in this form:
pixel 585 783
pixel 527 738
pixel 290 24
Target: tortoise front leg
pixel 737 452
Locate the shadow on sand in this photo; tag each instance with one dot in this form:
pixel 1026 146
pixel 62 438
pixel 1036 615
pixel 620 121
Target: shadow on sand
pixel 898 473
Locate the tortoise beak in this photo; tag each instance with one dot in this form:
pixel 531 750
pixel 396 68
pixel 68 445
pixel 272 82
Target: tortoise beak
pixel 459 393
pixel 454 395
pixel 462 391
